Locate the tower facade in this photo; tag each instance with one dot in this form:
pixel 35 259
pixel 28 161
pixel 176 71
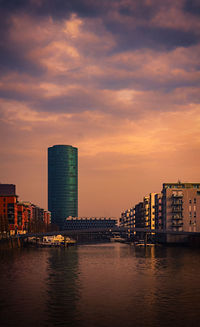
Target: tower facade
pixel 62 183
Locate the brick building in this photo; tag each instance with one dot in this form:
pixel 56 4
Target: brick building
pixel 20 217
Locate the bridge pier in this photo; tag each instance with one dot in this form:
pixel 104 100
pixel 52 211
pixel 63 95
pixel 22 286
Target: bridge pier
pixel 145 238
pixel 65 242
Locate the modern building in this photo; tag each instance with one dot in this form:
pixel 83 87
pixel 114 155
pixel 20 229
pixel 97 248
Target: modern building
pixel 158 211
pixel 146 205
pixel 176 209
pixel 181 206
pixel 62 183
pixel 139 215
pixel 73 223
pixel 127 218
pixel 152 210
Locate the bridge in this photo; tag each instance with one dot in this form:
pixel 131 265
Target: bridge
pixel 105 233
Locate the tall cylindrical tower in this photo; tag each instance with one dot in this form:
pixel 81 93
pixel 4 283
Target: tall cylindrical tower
pixel 62 183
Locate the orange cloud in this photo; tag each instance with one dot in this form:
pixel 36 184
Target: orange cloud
pixel 133 112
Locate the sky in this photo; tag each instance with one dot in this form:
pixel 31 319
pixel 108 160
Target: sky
pixel 118 79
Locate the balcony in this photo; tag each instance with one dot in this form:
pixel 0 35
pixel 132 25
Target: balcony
pixel 177 229
pixel 177 209
pixel 177 217
pixel 177 195
pixel 177 224
pixel 177 202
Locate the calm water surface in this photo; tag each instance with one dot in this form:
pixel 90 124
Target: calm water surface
pixel 100 285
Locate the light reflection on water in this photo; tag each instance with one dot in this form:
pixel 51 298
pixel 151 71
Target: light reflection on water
pixel 100 285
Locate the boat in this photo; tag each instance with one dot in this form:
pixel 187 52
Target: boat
pixel 53 241
pixel 142 243
pixel 117 238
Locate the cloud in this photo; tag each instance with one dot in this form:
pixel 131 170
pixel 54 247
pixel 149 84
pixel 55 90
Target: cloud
pixel 118 79
pixel 192 6
pixel 72 79
pixel 133 24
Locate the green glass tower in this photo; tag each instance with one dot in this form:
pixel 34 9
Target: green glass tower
pixel 62 183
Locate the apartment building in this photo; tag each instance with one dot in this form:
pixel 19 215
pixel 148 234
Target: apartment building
pixel 181 206
pixel 176 208
pixel 158 211
pixel 127 218
pixel 18 216
pixel 142 215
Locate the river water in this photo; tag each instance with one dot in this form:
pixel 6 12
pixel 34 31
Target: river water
pixel 109 284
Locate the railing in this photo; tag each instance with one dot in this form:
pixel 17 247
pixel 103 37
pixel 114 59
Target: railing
pixel 177 195
pixel 177 217
pixel 177 202
pixel 175 209
pixel 178 224
pixel 174 230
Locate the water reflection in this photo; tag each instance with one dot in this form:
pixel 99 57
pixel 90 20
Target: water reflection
pixel 22 287
pixel 100 285
pixel 139 286
pixel 62 288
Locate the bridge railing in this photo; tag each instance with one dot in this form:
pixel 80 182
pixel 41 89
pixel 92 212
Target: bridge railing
pixel 110 231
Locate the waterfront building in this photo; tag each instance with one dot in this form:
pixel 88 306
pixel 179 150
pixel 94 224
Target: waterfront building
pixel 122 219
pixel 181 206
pixel 127 218
pixel 149 211
pixel 143 215
pixel 73 223
pixel 21 217
pixel 47 217
pixel 152 210
pixel 18 216
pixel 158 211
pixel 7 189
pixel 62 183
pixel 32 218
pixel 8 213
pixel 8 207
pixel 146 206
pixel 40 219
pixel 176 208
pixel 139 215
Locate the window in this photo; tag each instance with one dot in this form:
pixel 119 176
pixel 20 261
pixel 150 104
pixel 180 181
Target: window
pixel 195 200
pixel 196 185
pixel 195 214
pixel 190 201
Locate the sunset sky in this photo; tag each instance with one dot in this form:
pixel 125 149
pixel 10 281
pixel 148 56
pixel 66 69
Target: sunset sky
pixel 119 79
